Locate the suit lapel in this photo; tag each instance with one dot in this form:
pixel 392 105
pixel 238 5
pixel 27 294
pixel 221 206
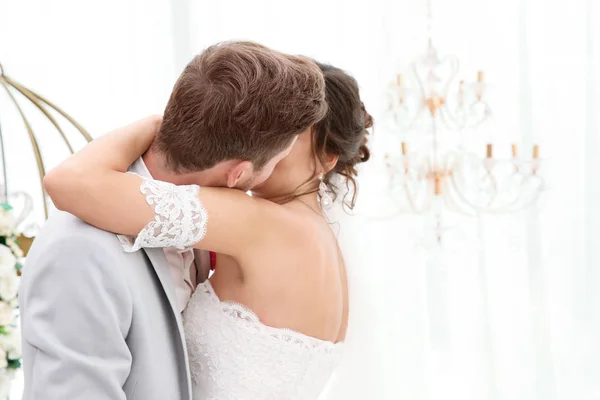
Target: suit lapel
pixel 160 265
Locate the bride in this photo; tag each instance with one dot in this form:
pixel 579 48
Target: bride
pixel 271 321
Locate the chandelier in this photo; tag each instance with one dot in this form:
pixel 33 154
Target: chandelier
pixel 17 94
pixel 435 168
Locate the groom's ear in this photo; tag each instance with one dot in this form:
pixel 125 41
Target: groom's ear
pixel 239 174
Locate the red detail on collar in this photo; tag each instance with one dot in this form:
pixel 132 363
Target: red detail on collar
pixel 213 260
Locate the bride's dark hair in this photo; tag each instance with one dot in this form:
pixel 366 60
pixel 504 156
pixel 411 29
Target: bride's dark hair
pixel 343 132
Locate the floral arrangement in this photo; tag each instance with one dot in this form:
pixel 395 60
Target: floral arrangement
pixel 10 267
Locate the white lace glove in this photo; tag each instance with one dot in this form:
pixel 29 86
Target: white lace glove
pixel 179 217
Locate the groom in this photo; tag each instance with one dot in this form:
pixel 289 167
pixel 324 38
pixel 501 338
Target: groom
pixel 99 323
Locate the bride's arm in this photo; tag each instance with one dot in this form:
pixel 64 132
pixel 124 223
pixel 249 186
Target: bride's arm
pixel 92 185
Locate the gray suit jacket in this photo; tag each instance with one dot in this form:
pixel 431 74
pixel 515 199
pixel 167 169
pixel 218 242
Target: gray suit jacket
pixel 99 323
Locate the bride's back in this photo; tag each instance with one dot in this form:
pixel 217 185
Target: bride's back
pixel 294 280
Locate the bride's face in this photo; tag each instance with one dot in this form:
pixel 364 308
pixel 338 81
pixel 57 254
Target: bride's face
pixel 292 171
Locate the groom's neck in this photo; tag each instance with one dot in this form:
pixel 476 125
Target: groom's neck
pixel 155 162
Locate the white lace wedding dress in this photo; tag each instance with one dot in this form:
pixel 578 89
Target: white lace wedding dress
pixel 232 354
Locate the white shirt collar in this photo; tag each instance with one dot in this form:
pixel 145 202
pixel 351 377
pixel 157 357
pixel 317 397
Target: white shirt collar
pixel 139 167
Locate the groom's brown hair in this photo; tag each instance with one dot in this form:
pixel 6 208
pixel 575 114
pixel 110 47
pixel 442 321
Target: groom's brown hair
pixel 239 101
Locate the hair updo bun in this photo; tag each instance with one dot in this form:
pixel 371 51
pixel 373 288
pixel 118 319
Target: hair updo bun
pixel 344 130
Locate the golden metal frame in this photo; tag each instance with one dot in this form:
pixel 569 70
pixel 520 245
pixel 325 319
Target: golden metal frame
pixel 43 105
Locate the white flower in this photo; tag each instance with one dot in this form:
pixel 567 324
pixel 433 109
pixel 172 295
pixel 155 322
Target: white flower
pixel 6 378
pixel 7 314
pixel 7 261
pixel 14 303
pixel 11 344
pixel 12 244
pixel 3 359
pixel 9 286
pixel 16 351
pixel 7 221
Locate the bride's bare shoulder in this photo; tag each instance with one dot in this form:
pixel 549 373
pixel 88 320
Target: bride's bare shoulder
pixel 297 226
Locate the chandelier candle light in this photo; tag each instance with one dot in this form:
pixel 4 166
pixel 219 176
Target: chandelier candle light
pixel 440 173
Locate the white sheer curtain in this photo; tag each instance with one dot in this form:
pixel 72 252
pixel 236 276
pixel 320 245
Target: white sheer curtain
pixel 509 308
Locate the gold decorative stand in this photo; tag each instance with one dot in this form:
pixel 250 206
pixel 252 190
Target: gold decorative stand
pixel 16 93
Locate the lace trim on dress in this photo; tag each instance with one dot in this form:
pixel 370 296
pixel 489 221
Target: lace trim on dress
pixel 250 320
pixel 179 221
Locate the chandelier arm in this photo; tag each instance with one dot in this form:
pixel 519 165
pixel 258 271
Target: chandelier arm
pixel 397 120
pixel 515 199
pixel 449 199
pixel 34 143
pixel 415 74
pixel 449 119
pixel 417 114
pixel 455 67
pixel 457 206
pixel 480 120
pixel 511 205
pixel 492 200
pixel 445 116
pixel 494 182
pixel 411 201
pixel 531 201
pixel 40 106
pixel 489 206
pixel 462 197
pixel 414 119
pixel 496 210
pixel 444 108
pixel 409 198
pixel 80 128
